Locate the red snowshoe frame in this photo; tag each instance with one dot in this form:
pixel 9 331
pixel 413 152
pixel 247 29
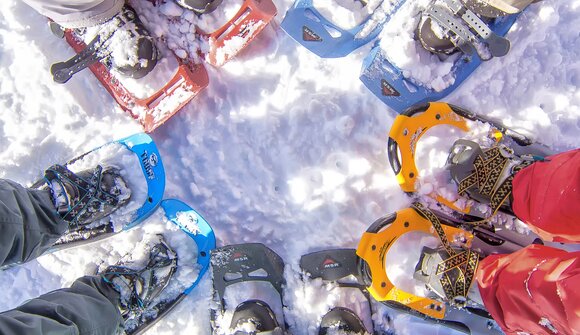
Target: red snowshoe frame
pixel 186 83
pixel 249 21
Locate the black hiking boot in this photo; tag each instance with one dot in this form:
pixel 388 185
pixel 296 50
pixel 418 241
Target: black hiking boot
pixel 200 6
pixel 254 317
pixel 121 43
pixel 140 286
pixel 87 196
pixel 340 320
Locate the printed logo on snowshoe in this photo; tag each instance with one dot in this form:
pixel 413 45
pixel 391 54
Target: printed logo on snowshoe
pixel 153 159
pixel 330 263
pixel 388 90
pixel 146 160
pixel 239 257
pixel 309 35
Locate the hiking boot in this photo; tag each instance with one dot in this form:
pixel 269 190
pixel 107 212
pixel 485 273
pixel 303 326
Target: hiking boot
pixel 138 286
pixel 200 6
pixel 132 50
pixel 87 196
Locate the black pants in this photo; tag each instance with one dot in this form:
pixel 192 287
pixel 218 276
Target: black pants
pixel 29 226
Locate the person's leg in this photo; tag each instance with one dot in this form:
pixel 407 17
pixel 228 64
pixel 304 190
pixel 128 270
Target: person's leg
pixel 29 223
pixel 88 307
pixel 546 196
pixel 532 291
pixel 79 13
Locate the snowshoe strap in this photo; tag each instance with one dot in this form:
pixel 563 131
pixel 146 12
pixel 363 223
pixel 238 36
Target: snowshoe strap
pixel 486 177
pixel 447 16
pixel 466 262
pixel 96 50
pixel 89 191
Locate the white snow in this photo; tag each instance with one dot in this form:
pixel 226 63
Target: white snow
pixel 282 148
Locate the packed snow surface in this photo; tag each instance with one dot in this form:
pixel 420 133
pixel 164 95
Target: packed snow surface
pixel 282 148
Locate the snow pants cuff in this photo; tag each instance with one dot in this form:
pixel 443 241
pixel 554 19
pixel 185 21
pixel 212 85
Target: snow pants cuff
pixel 79 13
pixel 533 290
pixel 29 223
pixel 88 307
pixel 546 196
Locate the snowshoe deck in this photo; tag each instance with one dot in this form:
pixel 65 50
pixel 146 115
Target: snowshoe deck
pixel 304 23
pixel 229 40
pixel 199 232
pixel 244 263
pixel 388 82
pixel 153 174
pixel 189 79
pixel 412 124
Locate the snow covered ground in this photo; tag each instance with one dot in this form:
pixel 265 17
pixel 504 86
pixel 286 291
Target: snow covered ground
pixel 282 148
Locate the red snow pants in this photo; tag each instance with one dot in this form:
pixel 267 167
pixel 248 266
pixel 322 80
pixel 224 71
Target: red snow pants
pixel 536 290
pixel 546 196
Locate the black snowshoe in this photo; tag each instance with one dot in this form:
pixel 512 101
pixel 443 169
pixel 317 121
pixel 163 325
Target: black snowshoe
pixel 243 263
pixel 87 196
pixel 134 59
pixel 200 6
pixel 449 26
pixel 141 287
pixel 341 267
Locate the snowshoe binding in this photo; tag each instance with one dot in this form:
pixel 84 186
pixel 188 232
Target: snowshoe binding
pixel 251 263
pixel 122 43
pixel 341 267
pixel 200 6
pixel 448 26
pixel 254 317
pixel 482 175
pixel 87 196
pixel 340 320
pixel 140 287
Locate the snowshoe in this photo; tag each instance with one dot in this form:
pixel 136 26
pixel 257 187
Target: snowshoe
pixel 464 33
pixel 341 268
pixel 174 264
pixel 308 26
pixel 447 271
pixel 132 75
pixel 259 308
pixel 103 201
pixel 469 166
pixel 231 38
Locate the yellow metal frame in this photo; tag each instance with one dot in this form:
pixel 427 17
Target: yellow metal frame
pixel 373 248
pixel 407 130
